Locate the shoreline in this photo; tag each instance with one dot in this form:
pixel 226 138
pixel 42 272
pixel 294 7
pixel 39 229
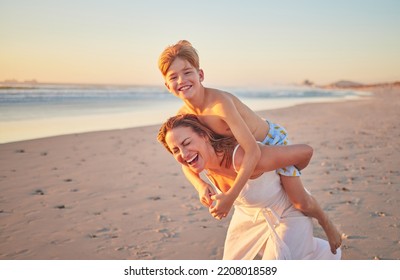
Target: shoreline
pixel 118 194
pixel 52 126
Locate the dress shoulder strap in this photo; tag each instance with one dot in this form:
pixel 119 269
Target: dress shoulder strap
pixel 233 157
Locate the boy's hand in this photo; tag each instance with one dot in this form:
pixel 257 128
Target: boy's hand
pixel 221 206
pixel 205 195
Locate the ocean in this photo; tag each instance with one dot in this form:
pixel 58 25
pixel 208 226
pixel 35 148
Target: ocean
pixel 43 110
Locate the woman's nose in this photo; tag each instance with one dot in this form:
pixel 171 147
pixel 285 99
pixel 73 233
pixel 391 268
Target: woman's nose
pixel 184 154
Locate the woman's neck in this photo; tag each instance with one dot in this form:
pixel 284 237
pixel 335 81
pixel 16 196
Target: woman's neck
pixel 217 166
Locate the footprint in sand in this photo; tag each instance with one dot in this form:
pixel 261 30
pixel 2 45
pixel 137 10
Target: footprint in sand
pixel 343 189
pixel 346 237
pixel 143 254
pixel 105 232
pixel 192 207
pixel 63 241
pixel 163 219
pixel 354 202
pixel 167 233
pixel 21 252
pixel 38 192
pixel 379 214
pixel 4 213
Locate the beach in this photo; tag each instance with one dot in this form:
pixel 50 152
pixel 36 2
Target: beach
pixel 118 194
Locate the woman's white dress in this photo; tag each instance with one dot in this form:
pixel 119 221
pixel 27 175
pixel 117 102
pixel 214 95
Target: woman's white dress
pixel 265 221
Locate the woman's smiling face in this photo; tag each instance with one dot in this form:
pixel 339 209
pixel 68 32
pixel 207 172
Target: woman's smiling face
pixel 189 148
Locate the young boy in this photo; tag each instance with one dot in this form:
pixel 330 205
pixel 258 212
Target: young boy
pixel 227 115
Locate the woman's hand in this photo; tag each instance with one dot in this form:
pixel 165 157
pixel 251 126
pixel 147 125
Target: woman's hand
pixel 205 194
pixel 222 204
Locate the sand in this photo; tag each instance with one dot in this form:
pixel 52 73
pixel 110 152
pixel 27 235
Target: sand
pixel 119 195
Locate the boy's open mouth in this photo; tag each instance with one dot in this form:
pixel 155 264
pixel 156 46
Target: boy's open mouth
pixel 185 88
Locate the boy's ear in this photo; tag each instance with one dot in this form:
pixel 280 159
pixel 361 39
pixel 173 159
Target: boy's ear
pixel 166 85
pixel 201 74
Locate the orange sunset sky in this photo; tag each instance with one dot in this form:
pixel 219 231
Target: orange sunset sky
pixel 241 43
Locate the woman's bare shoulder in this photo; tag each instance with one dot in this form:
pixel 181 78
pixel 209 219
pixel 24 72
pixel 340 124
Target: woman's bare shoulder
pixel 237 159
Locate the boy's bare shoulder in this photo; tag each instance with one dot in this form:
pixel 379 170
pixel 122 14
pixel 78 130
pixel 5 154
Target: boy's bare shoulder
pixel 218 95
pixel 184 110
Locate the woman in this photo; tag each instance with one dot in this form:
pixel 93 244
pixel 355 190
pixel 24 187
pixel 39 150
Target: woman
pixel 265 221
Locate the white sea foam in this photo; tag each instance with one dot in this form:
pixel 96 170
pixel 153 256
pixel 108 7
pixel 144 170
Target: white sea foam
pixel 49 110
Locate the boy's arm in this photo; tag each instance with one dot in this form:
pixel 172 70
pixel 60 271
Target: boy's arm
pixel 228 112
pixel 205 190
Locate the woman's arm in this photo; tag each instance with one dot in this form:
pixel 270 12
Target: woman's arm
pixel 274 157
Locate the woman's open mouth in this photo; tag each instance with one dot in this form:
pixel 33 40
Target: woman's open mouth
pixel 193 159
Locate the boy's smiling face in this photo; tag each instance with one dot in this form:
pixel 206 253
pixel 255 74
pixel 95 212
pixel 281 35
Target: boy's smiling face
pixel 182 79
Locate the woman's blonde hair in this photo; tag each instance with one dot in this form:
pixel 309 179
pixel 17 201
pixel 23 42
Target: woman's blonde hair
pixel 184 50
pixel 222 144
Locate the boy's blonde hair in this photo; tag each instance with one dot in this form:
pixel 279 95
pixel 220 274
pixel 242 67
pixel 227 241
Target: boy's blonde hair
pixel 184 50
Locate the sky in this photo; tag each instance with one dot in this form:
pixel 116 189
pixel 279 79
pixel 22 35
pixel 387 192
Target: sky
pixel 251 43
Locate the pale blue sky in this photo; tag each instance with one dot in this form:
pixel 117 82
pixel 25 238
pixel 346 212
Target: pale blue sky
pixel 241 43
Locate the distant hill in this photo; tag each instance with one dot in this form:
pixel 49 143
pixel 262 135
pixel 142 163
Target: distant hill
pixel 345 84
pixel 15 81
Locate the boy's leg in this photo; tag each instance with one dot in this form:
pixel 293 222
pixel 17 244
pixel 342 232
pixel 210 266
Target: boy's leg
pixel 298 195
pixel 294 188
pixel 302 200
